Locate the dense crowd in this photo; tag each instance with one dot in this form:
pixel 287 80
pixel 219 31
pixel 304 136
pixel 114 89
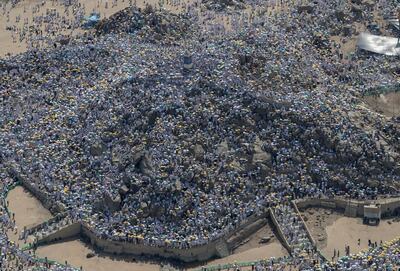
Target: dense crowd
pixel 141 149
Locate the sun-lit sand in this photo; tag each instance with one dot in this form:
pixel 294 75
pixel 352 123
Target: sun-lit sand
pixel 347 231
pixel 332 231
pixel 28 211
pixel 75 251
pixel 388 104
pixel 24 10
pixel 274 249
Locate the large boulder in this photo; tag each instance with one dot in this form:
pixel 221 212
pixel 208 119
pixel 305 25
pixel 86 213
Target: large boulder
pixel 108 202
pixel 97 149
pixel 306 8
pixel 259 155
pixel 198 152
pixel 123 190
pixel 145 165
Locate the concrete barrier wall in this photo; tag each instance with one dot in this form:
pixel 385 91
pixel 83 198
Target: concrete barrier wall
pixel 241 235
pixel 66 232
pixel 47 222
pixel 305 225
pixel 198 253
pixel 388 206
pixel 53 206
pixel 279 231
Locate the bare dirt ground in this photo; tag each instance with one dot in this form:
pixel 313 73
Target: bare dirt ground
pixel 251 249
pixel 22 15
pixel 332 231
pixel 24 11
pixel 28 211
pixel 388 105
pixel 75 252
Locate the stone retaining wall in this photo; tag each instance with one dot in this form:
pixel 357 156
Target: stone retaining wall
pixel 350 207
pixel 198 253
pixel 51 205
pixel 305 225
pixel 285 243
pixel 69 231
pixel 48 222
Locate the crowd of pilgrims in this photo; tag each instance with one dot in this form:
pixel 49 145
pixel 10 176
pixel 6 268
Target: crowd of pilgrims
pixel 141 149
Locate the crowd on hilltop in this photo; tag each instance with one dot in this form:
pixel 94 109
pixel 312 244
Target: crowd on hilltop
pixel 142 149
pixel 96 120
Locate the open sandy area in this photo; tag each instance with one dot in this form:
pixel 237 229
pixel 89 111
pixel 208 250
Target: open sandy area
pixel 28 211
pixel 24 12
pixel 332 231
pixel 251 249
pixel 386 104
pixel 22 15
pixel 75 251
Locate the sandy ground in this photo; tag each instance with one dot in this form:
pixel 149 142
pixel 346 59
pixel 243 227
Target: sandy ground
pixel 273 249
pixel 388 105
pixel 331 230
pixel 24 10
pixel 75 251
pixel 252 250
pixel 28 211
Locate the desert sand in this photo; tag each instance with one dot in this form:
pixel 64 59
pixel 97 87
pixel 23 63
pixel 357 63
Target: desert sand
pixel 28 211
pixel 24 11
pixel 252 249
pixel 386 104
pixel 332 231
pixel 75 251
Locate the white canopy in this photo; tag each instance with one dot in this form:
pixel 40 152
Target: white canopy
pixel 378 44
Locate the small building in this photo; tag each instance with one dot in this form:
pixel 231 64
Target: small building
pixel 372 214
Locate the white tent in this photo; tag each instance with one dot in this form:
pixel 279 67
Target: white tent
pixel 379 44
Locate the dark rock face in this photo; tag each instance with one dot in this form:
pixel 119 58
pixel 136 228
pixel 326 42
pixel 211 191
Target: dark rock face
pixel 151 24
